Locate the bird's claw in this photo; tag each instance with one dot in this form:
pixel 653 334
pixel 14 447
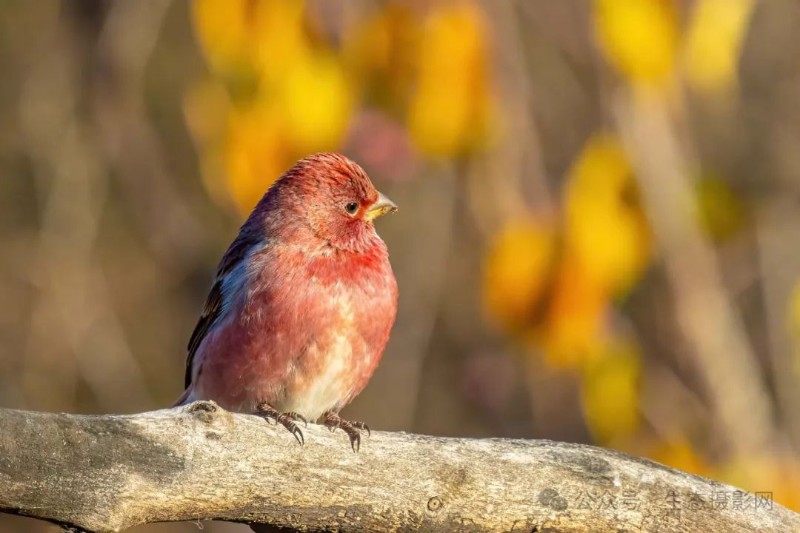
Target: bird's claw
pixel 353 429
pixel 294 430
pixel 297 416
pixel 287 420
pixel 363 427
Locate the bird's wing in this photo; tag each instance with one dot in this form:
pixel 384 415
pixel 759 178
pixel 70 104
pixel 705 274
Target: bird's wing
pixel 212 310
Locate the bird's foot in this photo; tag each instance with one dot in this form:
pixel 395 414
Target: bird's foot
pixel 353 429
pixel 288 420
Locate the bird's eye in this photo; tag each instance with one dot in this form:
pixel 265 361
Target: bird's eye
pixel 351 208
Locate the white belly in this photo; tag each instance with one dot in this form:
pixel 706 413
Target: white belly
pixel 325 382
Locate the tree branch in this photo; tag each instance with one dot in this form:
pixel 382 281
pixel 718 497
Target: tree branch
pixel 108 473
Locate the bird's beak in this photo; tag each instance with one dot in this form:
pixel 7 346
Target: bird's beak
pixel 381 207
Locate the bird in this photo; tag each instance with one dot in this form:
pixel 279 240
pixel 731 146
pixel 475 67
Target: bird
pixel 303 302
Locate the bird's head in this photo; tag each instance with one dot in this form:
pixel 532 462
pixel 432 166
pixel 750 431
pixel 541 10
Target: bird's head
pixel 334 198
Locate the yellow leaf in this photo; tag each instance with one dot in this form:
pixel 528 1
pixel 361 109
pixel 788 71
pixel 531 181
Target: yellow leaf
pixel 222 29
pixel 575 321
pixel 678 452
pixel 315 101
pixel 517 270
pixel 255 155
pixel 714 42
pixel 605 225
pixel 774 477
pixel 794 311
pixel 794 327
pixel 280 38
pixel 639 37
pixel 611 391
pixel 449 108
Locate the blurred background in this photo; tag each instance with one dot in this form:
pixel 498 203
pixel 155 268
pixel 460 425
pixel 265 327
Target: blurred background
pixel 599 224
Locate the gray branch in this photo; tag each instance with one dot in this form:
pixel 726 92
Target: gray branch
pixel 109 473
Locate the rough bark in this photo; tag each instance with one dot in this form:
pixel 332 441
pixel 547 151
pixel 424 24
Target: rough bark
pixel 108 473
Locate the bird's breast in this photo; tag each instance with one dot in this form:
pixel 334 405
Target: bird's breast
pixel 329 328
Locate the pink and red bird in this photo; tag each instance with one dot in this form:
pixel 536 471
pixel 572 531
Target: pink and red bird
pixel 303 302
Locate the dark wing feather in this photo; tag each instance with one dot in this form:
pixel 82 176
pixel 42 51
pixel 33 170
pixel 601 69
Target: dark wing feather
pixel 211 311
